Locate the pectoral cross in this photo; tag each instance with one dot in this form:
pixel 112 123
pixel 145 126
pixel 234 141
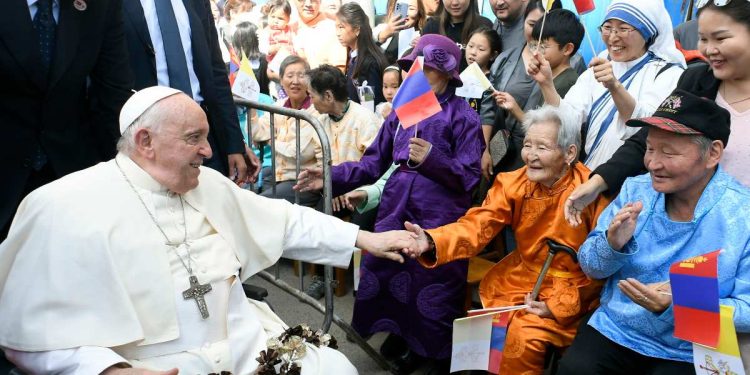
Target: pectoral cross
pixel 197 291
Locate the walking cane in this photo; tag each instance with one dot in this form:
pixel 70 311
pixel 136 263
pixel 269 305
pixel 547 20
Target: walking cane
pixel 554 248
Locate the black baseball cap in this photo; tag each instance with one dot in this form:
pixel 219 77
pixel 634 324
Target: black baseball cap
pixel 685 113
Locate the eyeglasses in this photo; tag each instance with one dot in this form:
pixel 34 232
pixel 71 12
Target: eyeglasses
pixel 623 32
pixel 718 3
pixel 533 46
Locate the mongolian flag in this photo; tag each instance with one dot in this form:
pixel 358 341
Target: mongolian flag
pixel 584 6
pixel 497 341
pixel 234 66
pixel 415 100
pixel 695 298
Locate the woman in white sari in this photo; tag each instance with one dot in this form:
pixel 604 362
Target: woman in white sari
pixel 636 72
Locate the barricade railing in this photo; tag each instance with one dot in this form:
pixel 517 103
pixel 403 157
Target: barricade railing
pixel 327 309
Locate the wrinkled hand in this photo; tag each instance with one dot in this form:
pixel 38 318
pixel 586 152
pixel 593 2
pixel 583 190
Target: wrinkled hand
pixel 655 297
pixel 237 168
pixel 505 100
pixel 537 307
pixel 420 244
pixel 350 200
pixel 621 228
pixel 386 245
pixel 603 72
pixel 581 197
pixel 487 165
pixel 539 69
pixel 253 165
pixel 137 371
pixel 418 150
pixel 311 179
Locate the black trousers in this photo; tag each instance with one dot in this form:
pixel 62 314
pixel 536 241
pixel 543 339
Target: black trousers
pixel 593 353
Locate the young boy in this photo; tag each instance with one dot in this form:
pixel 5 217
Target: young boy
pixel 561 37
pixel 279 32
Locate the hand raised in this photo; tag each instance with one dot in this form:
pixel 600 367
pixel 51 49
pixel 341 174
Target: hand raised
pixel 603 72
pixel 311 179
pixel 539 69
pixel 622 227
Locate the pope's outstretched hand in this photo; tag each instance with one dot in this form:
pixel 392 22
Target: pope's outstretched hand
pixel 387 245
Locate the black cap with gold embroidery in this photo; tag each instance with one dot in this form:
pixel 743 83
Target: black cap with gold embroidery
pixel 686 113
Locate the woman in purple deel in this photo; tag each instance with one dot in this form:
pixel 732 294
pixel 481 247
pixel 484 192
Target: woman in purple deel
pixel 438 167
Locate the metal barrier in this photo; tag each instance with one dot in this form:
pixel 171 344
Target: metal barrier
pixel 327 310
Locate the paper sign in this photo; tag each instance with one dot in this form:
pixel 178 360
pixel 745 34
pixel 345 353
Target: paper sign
pixel 725 359
pixel 245 85
pixel 475 82
pixel 471 343
pixel 404 40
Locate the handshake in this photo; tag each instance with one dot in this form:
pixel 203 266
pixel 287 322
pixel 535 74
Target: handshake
pixel 394 244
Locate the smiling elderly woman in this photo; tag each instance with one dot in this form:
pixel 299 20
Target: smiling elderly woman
pixel 529 201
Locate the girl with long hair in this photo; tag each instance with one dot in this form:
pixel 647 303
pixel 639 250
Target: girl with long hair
pixel 366 59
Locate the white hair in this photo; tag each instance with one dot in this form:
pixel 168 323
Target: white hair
pixel 150 119
pixel 568 132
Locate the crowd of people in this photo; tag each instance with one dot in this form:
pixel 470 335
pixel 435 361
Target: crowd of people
pixel 629 163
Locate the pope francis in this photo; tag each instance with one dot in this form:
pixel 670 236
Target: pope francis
pixel 134 266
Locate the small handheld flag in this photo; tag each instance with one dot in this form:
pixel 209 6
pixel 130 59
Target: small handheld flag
pixel 245 85
pixel 234 66
pixel 414 100
pixel 584 6
pixel 695 299
pixel 475 82
pixel 726 358
pixel 479 339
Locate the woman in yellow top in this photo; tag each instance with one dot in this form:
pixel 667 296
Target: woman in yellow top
pixel 530 201
pixel 292 73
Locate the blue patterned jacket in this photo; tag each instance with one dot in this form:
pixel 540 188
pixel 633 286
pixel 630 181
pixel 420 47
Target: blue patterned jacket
pixel 721 221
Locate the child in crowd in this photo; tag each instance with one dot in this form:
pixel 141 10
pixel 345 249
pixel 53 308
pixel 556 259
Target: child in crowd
pixel 561 38
pixel 279 33
pixel 245 42
pixel 483 47
pixel 391 82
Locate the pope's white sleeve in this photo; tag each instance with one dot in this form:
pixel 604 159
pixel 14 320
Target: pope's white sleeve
pixel 314 237
pixel 84 360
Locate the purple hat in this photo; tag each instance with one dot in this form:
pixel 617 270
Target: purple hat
pixel 440 53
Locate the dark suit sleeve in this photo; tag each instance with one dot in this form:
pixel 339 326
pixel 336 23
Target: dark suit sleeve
pixel 227 112
pixel 111 82
pixel 626 162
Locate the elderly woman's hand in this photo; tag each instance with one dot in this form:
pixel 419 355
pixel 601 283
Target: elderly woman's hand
pixel 421 242
pixel 537 307
pixel 653 297
pixel 418 150
pixel 349 200
pixel 603 72
pixel 622 227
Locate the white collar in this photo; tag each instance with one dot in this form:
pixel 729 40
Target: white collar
pixel 137 175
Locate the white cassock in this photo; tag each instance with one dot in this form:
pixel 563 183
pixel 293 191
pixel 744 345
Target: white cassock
pixel 87 280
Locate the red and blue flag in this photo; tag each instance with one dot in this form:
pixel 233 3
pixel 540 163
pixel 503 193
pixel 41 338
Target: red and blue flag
pixel 415 100
pixel 234 66
pixel 497 341
pixel 584 6
pixel 695 299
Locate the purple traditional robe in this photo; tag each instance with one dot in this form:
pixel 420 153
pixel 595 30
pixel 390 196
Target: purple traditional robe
pixel 407 299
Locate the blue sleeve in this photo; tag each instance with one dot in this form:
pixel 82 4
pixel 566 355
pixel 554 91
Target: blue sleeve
pixel 739 297
pixel 598 259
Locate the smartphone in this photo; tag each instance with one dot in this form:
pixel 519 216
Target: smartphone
pixel 402 9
